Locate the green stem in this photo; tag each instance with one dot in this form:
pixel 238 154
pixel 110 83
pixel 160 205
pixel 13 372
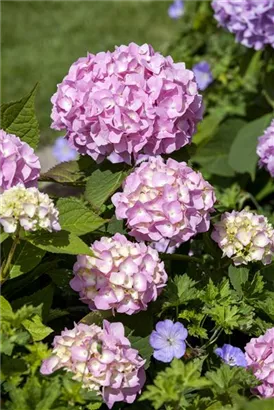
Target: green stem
pixel 6 266
pixel 267 190
pixel 177 257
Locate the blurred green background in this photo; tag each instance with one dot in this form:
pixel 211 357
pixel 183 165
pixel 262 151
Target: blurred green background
pixel 41 39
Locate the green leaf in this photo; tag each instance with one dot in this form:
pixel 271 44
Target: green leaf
pixel 242 155
pixel 25 258
pixel 208 127
pixel 51 393
pixel 68 172
pixel 36 328
pixel 75 217
pixel 268 87
pixel 3 236
pixel 142 345
pixel 59 242
pixel 238 277
pixel 180 291
pixel 102 184
pixel 19 118
pixel 213 156
pixel 6 309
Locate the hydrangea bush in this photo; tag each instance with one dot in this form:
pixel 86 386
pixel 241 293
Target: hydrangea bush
pixel 138 272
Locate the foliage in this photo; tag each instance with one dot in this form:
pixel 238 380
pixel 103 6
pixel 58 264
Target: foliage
pixel 216 301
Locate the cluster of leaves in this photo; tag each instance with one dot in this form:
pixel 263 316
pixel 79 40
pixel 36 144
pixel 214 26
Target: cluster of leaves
pixel 217 302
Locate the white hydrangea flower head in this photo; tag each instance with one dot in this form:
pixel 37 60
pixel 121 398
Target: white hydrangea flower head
pixel 28 208
pixel 245 237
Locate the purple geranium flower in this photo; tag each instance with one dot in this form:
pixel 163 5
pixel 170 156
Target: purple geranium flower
pixel 231 355
pixel 203 74
pixel 176 9
pixel 168 341
pixel 62 151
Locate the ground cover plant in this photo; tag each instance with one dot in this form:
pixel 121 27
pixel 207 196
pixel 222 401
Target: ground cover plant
pixel 139 271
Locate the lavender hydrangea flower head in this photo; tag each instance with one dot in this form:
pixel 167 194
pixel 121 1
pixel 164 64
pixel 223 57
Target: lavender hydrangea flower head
pixel 265 149
pixel 245 237
pixel 118 104
pixel 231 355
pixel 18 162
pixel 101 359
pixel 168 340
pixel 62 151
pixel 123 276
pixel 28 208
pixel 203 74
pixel 260 358
pixel 176 9
pixel 252 21
pixel 166 203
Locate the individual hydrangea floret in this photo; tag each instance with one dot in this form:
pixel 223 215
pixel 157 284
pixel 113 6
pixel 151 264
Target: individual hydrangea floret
pixel 203 74
pixel 62 151
pixel 260 358
pixel 176 9
pixel 231 355
pixel 245 237
pixel 28 208
pixel 18 162
pixel 101 359
pixel 265 149
pixel 167 203
pixel 122 276
pixel 168 341
pixel 251 21
pixel 118 104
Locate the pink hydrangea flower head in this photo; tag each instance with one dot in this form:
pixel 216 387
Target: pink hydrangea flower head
pixel 101 359
pixel 18 162
pixel 260 358
pixel 28 208
pixel 165 202
pixel 251 21
pixel 122 276
pixel 245 237
pixel 265 149
pixel 133 100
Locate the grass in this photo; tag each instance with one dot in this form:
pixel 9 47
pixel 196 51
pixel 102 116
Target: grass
pixel 41 39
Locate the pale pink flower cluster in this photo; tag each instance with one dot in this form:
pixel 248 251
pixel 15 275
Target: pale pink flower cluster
pixel 260 358
pixel 122 276
pixel 18 162
pixel 118 104
pixel 28 208
pixel 165 202
pixel 265 148
pixel 245 237
pixel 101 359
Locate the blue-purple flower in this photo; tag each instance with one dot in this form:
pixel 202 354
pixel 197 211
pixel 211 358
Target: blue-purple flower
pixel 62 151
pixel 203 74
pixel 231 355
pixel 176 9
pixel 168 341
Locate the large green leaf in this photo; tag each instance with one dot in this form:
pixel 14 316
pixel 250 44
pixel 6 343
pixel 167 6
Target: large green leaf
pixel 25 258
pixel 238 277
pixel 70 172
pixel 242 155
pixel 75 217
pixel 44 296
pixel 19 118
pixel 208 127
pixel 213 156
pixel 102 184
pixel 60 242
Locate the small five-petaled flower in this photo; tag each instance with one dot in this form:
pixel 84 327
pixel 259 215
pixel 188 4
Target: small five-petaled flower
pixel 168 340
